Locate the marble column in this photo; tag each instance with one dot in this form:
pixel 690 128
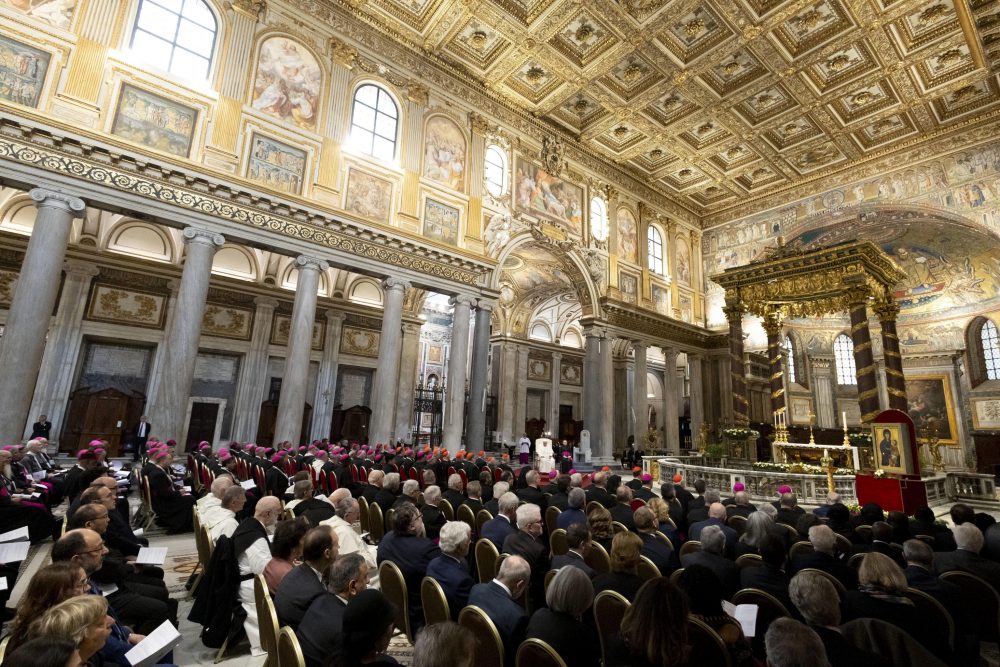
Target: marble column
pixel 605 448
pixel 508 393
pixel 824 407
pixel 180 352
pixel 737 366
pixel 253 381
pixel 521 391
pixel 592 411
pixel 458 363
pixel 23 342
pixel 326 380
pixel 62 348
pixel 864 360
pixel 640 403
pixel 671 402
pixel 696 397
pixel 887 311
pixel 772 326
pixel 408 361
pixel 475 433
pixel 291 403
pixel 386 383
pixel 555 389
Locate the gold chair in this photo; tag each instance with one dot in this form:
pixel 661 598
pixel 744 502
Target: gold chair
pixel 557 542
pixel 434 602
pixel 551 517
pixel 486 560
pixel 749 560
pixel 664 540
pixel 394 587
pixel 598 559
pixel 609 610
pixel 982 600
pixel 489 646
pixel 844 545
pixel 3 647
pixel 841 591
pixel 737 522
pixel 618 527
pixel 267 620
pixel 647 569
pixel 675 575
pixel 204 545
pixel 376 524
pixel 932 609
pixel 536 653
pixel 465 515
pixel 363 515
pixel 482 516
pixel 769 608
pixel 707 645
pixel 864 531
pixel 800 549
pixel 289 651
pixel 445 506
pixel 548 579
pixel 855 560
pixel 690 547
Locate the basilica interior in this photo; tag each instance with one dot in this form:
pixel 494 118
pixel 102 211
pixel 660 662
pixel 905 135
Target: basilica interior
pixel 456 222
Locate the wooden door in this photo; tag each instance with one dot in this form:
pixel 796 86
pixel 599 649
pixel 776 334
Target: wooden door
pixel 265 425
pixel 202 425
pixel 356 422
pixel 105 419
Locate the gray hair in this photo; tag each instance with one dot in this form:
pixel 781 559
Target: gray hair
pixel 411 487
pixel 375 477
pixel 712 496
pixel 513 570
pixel 968 537
pixel 391 482
pixel 345 506
pixel 919 553
pixel 220 484
pixel 345 569
pixel 301 487
pixel 758 524
pixel 570 592
pixel 832 498
pixel 789 643
pixel 577 498
pixel 453 535
pixel 528 514
pixel 231 495
pixel 768 509
pixel 432 494
pixel 436 641
pixel 455 482
pixel 576 480
pixel 712 539
pixel 531 477
pixel 742 498
pixel 508 503
pixel 623 494
pixel 816 598
pixel 822 538
pixel 500 488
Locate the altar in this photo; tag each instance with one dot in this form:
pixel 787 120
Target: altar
pixel 799 452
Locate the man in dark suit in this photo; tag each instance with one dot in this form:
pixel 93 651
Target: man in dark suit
pixel 789 510
pixel 645 492
pixel 497 529
pixel 561 497
pixel 451 569
pixel 969 540
pixel 710 556
pixel 527 544
pixel 433 517
pixel 140 434
pixel 578 539
pixel 622 511
pixel 275 479
pixel 306 581
pixel 531 493
pixel 881 537
pixel 411 553
pixel 493 504
pixel 474 499
pixel 319 632
pixel 769 575
pixel 923 524
pixel 698 508
pixel 386 496
pixel 716 517
pixel 653 548
pixel 681 492
pixel 453 494
pixel 497 600
pixel 741 505
pixel 598 491
pixel 823 557
pixel 41 428
pixel 574 512
pixel 677 513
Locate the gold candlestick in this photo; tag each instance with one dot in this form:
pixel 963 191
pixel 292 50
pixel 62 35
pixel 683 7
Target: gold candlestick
pixel 827 463
pixel 812 417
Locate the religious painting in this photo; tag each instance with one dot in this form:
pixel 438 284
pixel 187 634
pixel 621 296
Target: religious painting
pixel 435 354
pixel 276 165
pixel 891 447
pixel 441 221
pixel 628 236
pixel 682 262
pixel 660 296
pixel 986 413
pixel 686 308
pixel 929 404
pixel 368 196
pixel 154 121
pixel 538 192
pixel 628 285
pixel 22 72
pixel 444 152
pixel 800 410
pixel 287 82
pixel 58 13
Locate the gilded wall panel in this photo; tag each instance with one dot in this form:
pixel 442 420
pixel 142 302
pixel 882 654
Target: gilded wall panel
pixel 571 373
pixel 227 322
pixel 109 303
pixel 360 342
pixel 282 324
pixel 539 369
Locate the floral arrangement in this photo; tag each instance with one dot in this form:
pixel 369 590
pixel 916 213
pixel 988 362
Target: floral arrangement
pixel 854 508
pixel 860 439
pixel 741 433
pixel 798 468
pixel 878 474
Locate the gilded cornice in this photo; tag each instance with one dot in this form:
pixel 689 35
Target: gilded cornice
pixel 624 320
pixel 189 191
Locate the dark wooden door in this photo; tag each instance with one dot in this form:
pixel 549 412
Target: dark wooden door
pixel 202 425
pixel 106 417
pixel 269 417
pixel 355 423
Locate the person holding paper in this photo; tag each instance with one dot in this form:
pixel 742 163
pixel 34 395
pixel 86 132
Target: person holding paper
pixel 705 595
pixel 253 551
pixel 18 512
pixel 172 507
pixel 348 513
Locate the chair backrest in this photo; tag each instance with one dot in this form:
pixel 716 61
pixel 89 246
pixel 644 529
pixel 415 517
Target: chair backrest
pixel 675 575
pixel 598 559
pixel 664 540
pixel 841 591
pixel 558 543
pixel 793 534
pixel 289 652
pixel 390 519
pixel 800 548
pixel 618 527
pixel 855 560
pixel 394 587
pixel 749 560
pixel 3 647
pixel 548 579
pixel 205 546
pixel 844 545
pixel 864 531
pixel 267 618
pixel 489 646
pixel 592 505
pixel 609 610
pixel 482 516
pixel 363 514
pixel 536 653
pixel 486 560
pixel 707 645
pixel 551 516
pixel 769 608
pixel 446 508
pixel 690 547
pixel 637 503
pixel 982 600
pixel 931 609
pixel 465 515
pixel 647 569
pixel 376 524
pixel 434 602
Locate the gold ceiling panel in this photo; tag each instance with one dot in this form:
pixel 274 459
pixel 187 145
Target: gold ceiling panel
pixel 720 102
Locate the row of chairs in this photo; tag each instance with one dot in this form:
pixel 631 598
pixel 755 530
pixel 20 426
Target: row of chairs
pixel 281 644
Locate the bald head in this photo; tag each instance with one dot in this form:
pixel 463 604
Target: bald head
pixel 220 485
pixel 717 511
pixel 339 495
pixel 267 511
pixel 108 483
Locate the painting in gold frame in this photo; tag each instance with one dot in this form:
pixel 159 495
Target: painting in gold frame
pixel 891 443
pixel 929 398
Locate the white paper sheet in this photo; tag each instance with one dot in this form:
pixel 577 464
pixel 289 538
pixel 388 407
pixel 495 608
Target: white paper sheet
pixel 137 532
pixel 39 475
pixel 248 484
pixel 157 644
pixel 19 535
pixel 746 614
pixel 151 556
pixel 108 589
pixel 3 583
pixel 14 552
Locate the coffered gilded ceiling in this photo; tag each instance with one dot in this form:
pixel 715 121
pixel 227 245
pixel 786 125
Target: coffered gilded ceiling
pixel 721 101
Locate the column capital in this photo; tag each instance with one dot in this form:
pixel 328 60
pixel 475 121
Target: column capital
pixel 78 269
pixel 694 357
pixel 409 328
pixel 303 262
pixel 772 324
pixel 252 9
pixel 463 299
pixel 638 342
pixel 265 302
pixel 485 304
pixel 333 315
pixel 887 310
pixel 395 283
pixel 557 356
pixel 204 237
pixel 46 198
pixel 668 351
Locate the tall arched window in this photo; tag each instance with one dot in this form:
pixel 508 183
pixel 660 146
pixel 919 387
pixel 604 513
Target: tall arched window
pixel 654 250
pixel 496 170
pixel 599 219
pixel 374 122
pixel 790 353
pixel 175 35
pixel 843 353
pixel 991 349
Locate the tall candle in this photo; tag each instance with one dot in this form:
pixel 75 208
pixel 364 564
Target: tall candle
pixel 843 419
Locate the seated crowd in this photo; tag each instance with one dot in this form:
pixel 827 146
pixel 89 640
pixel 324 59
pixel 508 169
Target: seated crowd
pixel 342 541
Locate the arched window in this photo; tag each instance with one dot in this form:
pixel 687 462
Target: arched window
pixel 496 170
pixel 991 349
pixel 599 219
pixel 790 353
pixel 374 122
pixel 843 353
pixel 175 35
pixel 654 250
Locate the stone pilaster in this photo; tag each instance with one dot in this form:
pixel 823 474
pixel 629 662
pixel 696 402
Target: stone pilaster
pixel 326 381
pixel 592 412
pixel 475 431
pixel 458 363
pixel 606 443
pixel 737 366
pixel 521 392
pixel 508 393
pixel 387 374
pixel 253 380
pixel 671 402
pixel 555 388
pixel 697 396
pixel 407 378
pixel 640 403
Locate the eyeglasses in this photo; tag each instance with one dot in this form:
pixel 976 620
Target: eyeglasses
pixel 92 551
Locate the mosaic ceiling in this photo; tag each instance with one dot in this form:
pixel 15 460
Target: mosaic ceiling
pixel 718 100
